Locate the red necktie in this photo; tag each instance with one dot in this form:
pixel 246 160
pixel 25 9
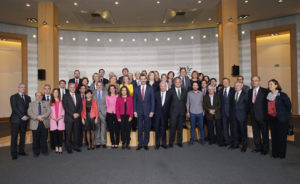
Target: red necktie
pixel 143 93
pixel 76 84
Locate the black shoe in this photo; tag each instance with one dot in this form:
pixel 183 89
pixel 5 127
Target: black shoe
pixel 123 146
pixel 128 147
pixel 244 149
pixel 134 129
pixel 171 145
pixel 165 146
pixel 15 157
pixel 264 152
pixel 185 127
pixel 69 151
pixel 232 147
pixel 35 155
pixel 98 146
pixel 77 149
pixel 139 147
pixel 157 147
pixel 104 145
pixel 180 145
pixel 201 142
pixel 146 147
pixel 191 143
pixel 23 153
pixel 256 150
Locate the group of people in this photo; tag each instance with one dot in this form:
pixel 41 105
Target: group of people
pixel 150 102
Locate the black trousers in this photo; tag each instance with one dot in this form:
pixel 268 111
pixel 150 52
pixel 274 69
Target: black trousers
pixel 125 129
pixel 212 137
pixel 39 142
pixel 80 138
pixel 242 132
pixel 279 137
pixel 160 130
pixel 52 141
pixel 176 124
pixel 260 134
pixel 17 128
pixel 57 138
pixel 114 128
pixel 72 127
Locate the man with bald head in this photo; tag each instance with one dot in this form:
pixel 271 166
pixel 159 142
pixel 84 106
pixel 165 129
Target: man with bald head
pixel 162 105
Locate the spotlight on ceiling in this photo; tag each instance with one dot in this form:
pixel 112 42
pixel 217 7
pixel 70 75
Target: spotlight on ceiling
pixel 199 2
pixel 280 1
pixel 116 2
pixel 75 4
pixel 86 39
pixel 27 4
pixel 209 19
pixel 230 19
pixel 157 2
pixel 34 36
pixel 192 37
pixel 168 39
pixel 246 1
pixel 204 36
pixel 145 40
pixel 244 16
pixel 180 38
pixel 216 35
pixel 98 40
pixel 74 39
pixel 67 21
pixel 45 22
pixel 243 32
pixel 32 20
pixel 156 39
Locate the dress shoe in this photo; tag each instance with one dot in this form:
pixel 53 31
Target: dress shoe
pixel 77 149
pixel 104 145
pixel 180 145
pixel 264 152
pixel 46 153
pixel 165 146
pixel 171 145
pixel 244 149
pixel 23 153
pixel 69 151
pixel 157 147
pixel 139 147
pixel 256 150
pixel 232 147
pixel 128 147
pixel 185 127
pixel 146 147
pixel 88 148
pixel 98 146
pixel 15 157
pixel 201 142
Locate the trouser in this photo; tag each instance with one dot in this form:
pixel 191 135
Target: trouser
pixel 176 124
pixel 160 130
pixel 39 139
pixel 72 126
pixel 211 124
pixel 279 137
pixel 260 134
pixel 57 137
pixel 80 138
pixel 125 129
pixel 16 128
pixel 114 128
pixel 226 122
pixel 134 123
pixel 100 130
pixel 242 132
pixel 52 144
pixel 194 118
pixel 144 125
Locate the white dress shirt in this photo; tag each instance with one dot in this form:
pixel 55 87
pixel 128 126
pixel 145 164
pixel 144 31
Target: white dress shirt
pixel 253 93
pixel 211 99
pixel 163 97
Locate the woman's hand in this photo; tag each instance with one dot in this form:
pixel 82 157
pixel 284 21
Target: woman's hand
pixel 119 120
pixel 96 120
pixel 130 119
pixel 83 121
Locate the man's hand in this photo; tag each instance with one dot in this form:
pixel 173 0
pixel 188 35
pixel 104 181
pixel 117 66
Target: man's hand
pixel 151 114
pixel 25 118
pixel 75 115
pixel 130 119
pixel 188 115
pixel 135 115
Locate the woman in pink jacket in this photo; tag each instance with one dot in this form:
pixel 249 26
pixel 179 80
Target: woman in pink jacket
pixel 57 124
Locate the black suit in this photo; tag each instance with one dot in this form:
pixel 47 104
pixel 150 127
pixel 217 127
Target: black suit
pixel 259 117
pixel 177 114
pixel 79 84
pixel 120 80
pixel 161 117
pixel 19 109
pixel 52 145
pixel 71 123
pixel 226 110
pixel 240 116
pixel 104 81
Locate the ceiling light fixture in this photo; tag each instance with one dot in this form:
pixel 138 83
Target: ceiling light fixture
pixel 156 39
pixel 157 2
pixel 27 4
pixel 204 36
pixel 75 4
pixel 243 32
pixel 32 20
pixel 145 40
pixel 98 40
pixel 216 35
pixel 180 38
pixel 110 40
pixel 116 2
pixel 246 1
pixel 67 21
pixel 121 40
pixel 45 22
pixel 34 36
pixel 74 39
pixel 192 37
pixel 168 39
pixel 280 1
pixel 86 39
pixel 209 19
pixel 133 40
pixel 230 19
pixel 61 38
pixel 199 2
pixel 244 16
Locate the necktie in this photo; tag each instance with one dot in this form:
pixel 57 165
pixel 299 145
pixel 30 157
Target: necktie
pixel 183 82
pixel 143 93
pixel 76 83
pixel 179 94
pixel 99 97
pixel 204 92
pixel 162 99
pixel 62 94
pixel 74 100
pixel 236 97
pixel 40 108
pixel 23 98
pixel 225 92
pixel 47 98
pixel 255 94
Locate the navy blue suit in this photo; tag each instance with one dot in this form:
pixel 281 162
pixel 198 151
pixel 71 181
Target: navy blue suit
pixel 79 84
pixel 143 109
pixel 161 117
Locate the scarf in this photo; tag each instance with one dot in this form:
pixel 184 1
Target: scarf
pixel 271 96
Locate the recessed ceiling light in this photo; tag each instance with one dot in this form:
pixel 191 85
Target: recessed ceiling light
pixel 145 40
pixel 75 3
pixel 67 22
pixel 192 37
pixel 280 1
pixel 116 2
pixel 199 2
pixel 168 39
pixel 121 40
pixel 157 2
pixel 209 19
pixel 34 36
pixel 133 40
pixel 243 16
pixel 32 20
pixel 61 38
pixel 204 36
pixel 216 35
pixel 110 40
pixel 74 39
pixel 86 39
pixel 243 32
pixel 27 4
pixel 156 39
pixel 246 1
pixel 98 40
pixel 180 38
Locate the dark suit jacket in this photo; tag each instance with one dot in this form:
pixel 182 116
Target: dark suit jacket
pixel 80 83
pixel 283 107
pixel 246 88
pixel 241 108
pixel 162 111
pixel 143 107
pixel 216 105
pixel 18 107
pixel 70 107
pixel 155 86
pixel 178 106
pixel 104 81
pixel 231 100
pixel 206 91
pixel 187 86
pixel 259 110
pixel 44 98
pixel 120 80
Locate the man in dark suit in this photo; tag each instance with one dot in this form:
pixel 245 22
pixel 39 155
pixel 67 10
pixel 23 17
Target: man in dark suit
pixel 76 80
pixel 258 112
pixel 177 112
pixel 144 102
pixel 19 105
pixel 62 88
pixel 245 88
pixel 204 87
pixel 125 73
pixel 240 116
pixel 227 100
pixel 212 107
pixel 162 105
pixel 72 104
pixel 101 77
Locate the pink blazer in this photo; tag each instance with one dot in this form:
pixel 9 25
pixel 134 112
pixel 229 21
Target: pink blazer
pixel 61 123
pixel 120 109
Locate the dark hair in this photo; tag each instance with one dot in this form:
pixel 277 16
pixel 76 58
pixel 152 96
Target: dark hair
pixel 204 81
pixel 276 83
pixel 101 69
pixel 88 91
pixel 127 91
pixel 52 100
pixel 195 82
pixel 125 69
pixel 213 79
pixel 109 92
pixel 241 76
pixel 85 78
pixel 225 78
pixel 82 86
pixel 170 73
pixel 143 75
pixel 76 71
pixel 196 73
pixel 62 81
pixel 182 68
pixel 206 76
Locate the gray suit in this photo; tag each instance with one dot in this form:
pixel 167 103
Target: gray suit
pixel 100 131
pixel 33 112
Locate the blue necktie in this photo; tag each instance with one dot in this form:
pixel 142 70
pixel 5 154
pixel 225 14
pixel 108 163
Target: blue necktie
pixel 47 98
pixel 40 108
pixel 99 97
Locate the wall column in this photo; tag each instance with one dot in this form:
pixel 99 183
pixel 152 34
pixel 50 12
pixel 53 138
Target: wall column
pixel 228 38
pixel 48 43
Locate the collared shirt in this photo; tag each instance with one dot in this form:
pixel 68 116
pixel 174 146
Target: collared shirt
pixel 73 95
pixel 227 90
pixel 177 90
pixel 211 99
pixel 145 86
pixel 237 95
pixel 195 102
pixel 47 97
pixel 62 92
pixel 163 97
pixel 255 90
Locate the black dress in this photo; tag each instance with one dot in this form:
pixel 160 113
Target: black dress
pixel 89 123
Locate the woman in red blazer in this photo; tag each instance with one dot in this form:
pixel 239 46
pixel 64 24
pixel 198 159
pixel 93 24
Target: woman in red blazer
pixel 124 112
pixel 89 117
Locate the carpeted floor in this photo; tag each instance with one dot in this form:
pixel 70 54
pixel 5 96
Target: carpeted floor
pixel 190 164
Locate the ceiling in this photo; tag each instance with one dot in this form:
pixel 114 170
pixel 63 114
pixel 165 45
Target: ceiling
pixel 142 15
